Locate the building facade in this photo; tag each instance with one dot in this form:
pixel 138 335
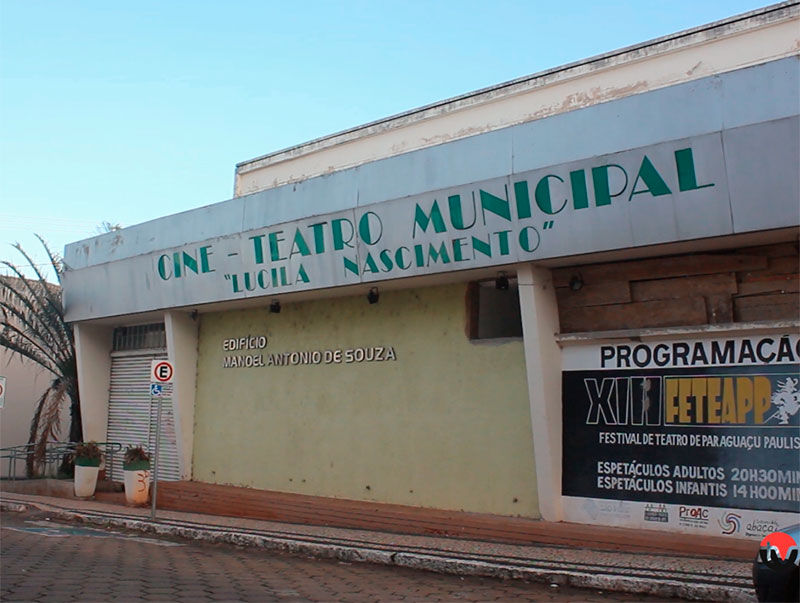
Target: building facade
pixel 23 386
pixel 573 296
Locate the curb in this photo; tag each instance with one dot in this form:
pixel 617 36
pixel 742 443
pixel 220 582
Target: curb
pixel 694 587
pixel 14 507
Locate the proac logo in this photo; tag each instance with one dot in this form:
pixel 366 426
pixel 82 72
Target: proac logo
pixel 695 517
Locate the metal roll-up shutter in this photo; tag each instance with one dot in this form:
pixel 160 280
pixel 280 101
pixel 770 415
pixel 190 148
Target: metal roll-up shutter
pixel 132 414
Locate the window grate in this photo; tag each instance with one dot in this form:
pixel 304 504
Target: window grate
pixel 140 337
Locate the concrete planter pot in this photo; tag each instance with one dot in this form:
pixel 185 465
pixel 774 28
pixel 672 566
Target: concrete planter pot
pixel 137 483
pixel 85 480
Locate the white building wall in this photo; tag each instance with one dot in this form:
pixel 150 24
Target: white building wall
pixel 25 384
pixel 181 331
pixel 539 309
pixel 92 349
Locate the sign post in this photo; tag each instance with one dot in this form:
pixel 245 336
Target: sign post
pixel 161 373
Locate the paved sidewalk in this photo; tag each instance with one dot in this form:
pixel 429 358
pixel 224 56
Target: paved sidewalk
pixel 699 578
pixel 46 559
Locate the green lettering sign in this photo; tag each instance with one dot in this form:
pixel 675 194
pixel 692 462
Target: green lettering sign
pixel 422 220
pixel 649 175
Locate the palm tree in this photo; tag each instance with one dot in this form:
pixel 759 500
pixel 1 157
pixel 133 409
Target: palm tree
pixel 32 325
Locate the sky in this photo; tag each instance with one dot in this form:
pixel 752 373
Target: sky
pixel 122 112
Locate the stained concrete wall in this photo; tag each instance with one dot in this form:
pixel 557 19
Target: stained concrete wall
pixel 93 353
pixel 445 425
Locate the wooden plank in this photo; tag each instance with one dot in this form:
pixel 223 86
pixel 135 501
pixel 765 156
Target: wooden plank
pixel 684 286
pixel 776 266
pixel 594 295
pixel 684 265
pixel 719 308
pixel 774 250
pixel 767 307
pixel 776 283
pixel 784 265
pixel 636 315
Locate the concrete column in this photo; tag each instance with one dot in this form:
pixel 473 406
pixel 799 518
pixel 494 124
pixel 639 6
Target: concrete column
pixel 540 325
pixel 93 351
pixel 182 331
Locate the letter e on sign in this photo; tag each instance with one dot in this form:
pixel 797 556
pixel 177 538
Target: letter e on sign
pixel 161 371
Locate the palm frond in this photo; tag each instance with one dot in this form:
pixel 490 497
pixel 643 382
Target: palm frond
pixel 56 261
pixel 30 461
pixel 48 427
pixel 27 343
pixel 34 306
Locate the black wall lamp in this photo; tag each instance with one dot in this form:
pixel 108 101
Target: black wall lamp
pixel 576 282
pixel 373 296
pixel 275 307
pixel 501 283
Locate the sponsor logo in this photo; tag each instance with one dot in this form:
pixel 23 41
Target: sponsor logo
pixel 778 551
pixel 617 509
pixel 786 401
pixel 760 527
pixel 695 517
pixel 657 513
pixel 730 524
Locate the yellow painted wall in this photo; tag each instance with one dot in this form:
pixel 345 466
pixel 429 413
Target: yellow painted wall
pixel 447 425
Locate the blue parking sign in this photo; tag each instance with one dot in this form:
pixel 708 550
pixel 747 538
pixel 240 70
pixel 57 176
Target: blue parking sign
pixel 156 389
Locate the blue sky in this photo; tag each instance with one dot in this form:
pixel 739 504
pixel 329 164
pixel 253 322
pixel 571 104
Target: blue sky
pixel 127 111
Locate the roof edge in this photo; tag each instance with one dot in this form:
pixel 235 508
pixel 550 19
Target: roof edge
pixel 769 14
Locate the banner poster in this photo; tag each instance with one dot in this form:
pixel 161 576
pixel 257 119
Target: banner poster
pixel 696 436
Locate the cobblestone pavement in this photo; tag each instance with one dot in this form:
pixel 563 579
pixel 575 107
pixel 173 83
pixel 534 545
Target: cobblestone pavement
pixel 44 560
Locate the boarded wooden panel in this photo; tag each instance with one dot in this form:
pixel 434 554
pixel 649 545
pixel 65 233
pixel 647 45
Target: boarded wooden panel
pixel 719 308
pixel 637 315
pixel 784 265
pixel 767 307
pixel 775 283
pixel 614 292
pixel 685 265
pixel 686 286
pixel 777 266
pixel 775 250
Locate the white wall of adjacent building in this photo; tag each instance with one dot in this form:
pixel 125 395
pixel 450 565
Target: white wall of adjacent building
pixel 25 384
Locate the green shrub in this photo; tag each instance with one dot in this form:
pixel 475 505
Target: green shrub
pixel 135 458
pixel 88 454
